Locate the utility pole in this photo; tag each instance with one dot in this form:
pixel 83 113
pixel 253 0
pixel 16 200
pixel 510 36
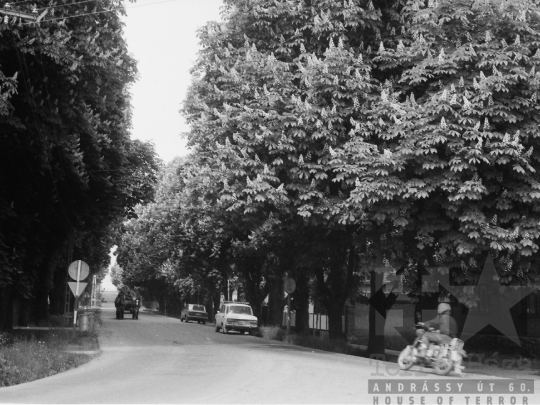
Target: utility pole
pixel 93 297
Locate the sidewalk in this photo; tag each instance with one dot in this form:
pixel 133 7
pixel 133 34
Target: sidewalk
pixel 472 368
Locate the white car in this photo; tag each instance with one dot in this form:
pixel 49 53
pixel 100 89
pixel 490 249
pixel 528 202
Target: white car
pixel 235 316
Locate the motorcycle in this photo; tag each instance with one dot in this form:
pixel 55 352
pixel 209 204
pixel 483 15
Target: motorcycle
pixel 442 358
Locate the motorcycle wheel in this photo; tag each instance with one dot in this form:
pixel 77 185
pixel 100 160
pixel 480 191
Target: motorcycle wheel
pixel 406 358
pixel 443 366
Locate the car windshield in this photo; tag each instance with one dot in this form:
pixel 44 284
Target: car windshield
pixel 198 308
pixel 237 309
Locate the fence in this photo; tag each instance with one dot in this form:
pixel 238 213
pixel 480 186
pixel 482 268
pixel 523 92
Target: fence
pixel 319 322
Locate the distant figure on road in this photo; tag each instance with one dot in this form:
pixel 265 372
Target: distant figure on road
pixel 120 303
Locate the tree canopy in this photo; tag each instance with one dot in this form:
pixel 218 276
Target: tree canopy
pixel 369 136
pixel 69 171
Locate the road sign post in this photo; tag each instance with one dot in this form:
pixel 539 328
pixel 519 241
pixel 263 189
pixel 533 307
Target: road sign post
pixel 78 270
pixel 289 285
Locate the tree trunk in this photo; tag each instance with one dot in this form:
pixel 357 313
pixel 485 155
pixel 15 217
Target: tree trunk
pixel 6 309
pixel 209 307
pixel 253 292
pixel 376 341
pixel 161 303
pixel 41 307
pixel 336 289
pixel 217 302
pixel 225 292
pixel 335 322
pixel 301 304
pixel 22 311
pixel 276 302
pixel 58 295
pixel 379 304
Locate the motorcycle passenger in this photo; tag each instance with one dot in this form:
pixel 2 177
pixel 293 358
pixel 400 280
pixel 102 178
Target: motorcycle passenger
pixel 444 323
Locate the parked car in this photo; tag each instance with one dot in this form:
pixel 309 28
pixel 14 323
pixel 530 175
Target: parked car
pixel 194 312
pixel 236 316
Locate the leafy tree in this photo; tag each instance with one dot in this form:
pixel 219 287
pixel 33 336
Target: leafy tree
pixel 116 275
pixel 457 169
pixel 394 132
pixel 445 162
pixel 276 87
pixel 68 169
pixel 173 245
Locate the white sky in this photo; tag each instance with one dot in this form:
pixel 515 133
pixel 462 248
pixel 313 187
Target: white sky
pixel 161 35
pixel 106 283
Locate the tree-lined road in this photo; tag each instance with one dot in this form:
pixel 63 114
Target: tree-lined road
pixel 161 360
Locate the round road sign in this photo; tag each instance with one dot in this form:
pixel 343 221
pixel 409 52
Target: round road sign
pixel 289 285
pixel 74 269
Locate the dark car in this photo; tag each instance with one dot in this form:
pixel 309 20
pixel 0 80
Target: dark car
pixel 194 312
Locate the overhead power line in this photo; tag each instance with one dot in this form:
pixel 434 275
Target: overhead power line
pixel 32 19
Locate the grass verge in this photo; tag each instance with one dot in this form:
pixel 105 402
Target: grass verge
pixel 30 355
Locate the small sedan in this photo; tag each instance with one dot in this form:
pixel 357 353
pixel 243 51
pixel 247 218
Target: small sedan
pixel 236 316
pixel 194 312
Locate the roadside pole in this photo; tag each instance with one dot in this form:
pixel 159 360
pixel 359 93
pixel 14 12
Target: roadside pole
pixel 288 314
pixel 93 296
pixel 78 270
pixel 289 285
pixel 77 294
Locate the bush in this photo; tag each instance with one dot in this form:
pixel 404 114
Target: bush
pixel 56 321
pixel 272 332
pixel 5 339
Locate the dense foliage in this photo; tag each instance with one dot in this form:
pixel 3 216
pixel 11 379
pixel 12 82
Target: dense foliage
pixel 68 170
pixel 337 141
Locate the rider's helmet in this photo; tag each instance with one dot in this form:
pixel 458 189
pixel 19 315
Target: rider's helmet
pixel 443 308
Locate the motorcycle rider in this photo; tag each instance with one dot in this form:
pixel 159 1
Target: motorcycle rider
pixel 444 323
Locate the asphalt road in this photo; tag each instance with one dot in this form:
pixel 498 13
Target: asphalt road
pixel 161 360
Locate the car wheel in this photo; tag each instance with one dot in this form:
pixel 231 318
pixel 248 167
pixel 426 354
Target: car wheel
pixel 242 332
pixel 224 329
pixel 204 322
